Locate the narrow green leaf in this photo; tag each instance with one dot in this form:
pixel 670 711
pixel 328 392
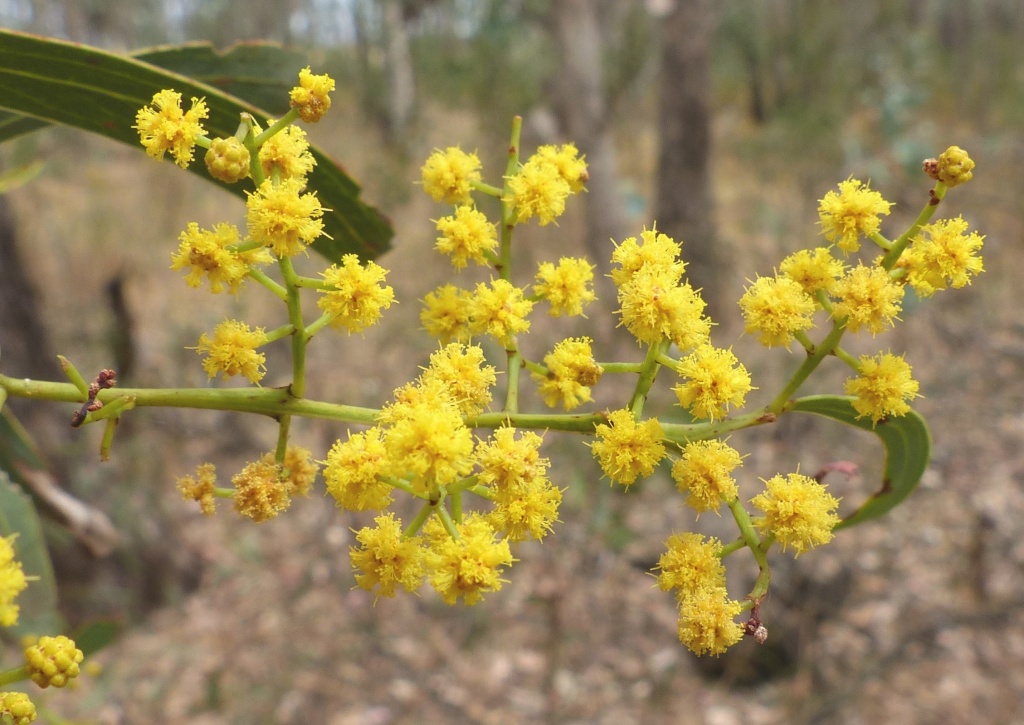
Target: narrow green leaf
pixel 38 603
pixel 52 81
pixel 907 442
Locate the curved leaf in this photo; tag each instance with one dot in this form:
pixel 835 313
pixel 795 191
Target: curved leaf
pixel 908 446
pixel 53 81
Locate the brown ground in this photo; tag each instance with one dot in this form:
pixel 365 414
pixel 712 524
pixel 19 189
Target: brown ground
pixel 918 618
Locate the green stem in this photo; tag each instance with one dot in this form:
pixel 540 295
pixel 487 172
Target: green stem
pixel 648 372
pixel 295 318
pixel 814 358
pixel 275 289
pixel 514 358
pixel 273 402
pixel 16 675
pixel 446 520
pixel 417 523
pixel 277 126
pixel 936 196
pixel 507 220
pixel 74 376
pixel 756 546
pixel 617 367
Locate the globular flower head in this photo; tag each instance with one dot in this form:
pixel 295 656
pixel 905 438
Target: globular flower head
pixel 311 97
pixel 286 155
pixel 798 511
pixel 941 255
pixel 571 372
pixel 211 254
pixel 851 213
pixel 227 160
pixel 201 488
pixel 18 707
pixel 299 469
pixel 166 127
pixel 628 449
pixel 704 474
pixel 283 218
pixel 814 269
pixel 884 386
pixel 385 560
pixel 12 582
pixel 774 308
pixel 952 168
pixel 426 439
pixel 356 294
pixel 706 621
pixel 571 166
pixel 262 490
pixel 690 563
pixel 525 502
pixel 470 565
pixel 528 511
pixel 508 462
pixel 467 235
pixel 461 371
pixel 566 287
pixel 499 309
pixel 655 306
pixel 714 380
pixel 537 190
pixel 447 175
pixel 654 250
pixel 353 472
pixel 232 351
pixel 445 314
pixel 53 661
pixel 867 298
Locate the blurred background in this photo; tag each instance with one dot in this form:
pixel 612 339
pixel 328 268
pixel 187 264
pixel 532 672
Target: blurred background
pixel 724 122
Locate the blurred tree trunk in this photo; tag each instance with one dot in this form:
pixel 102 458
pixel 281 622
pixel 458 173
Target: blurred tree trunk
pixel 580 101
pixel 684 207
pixel 399 71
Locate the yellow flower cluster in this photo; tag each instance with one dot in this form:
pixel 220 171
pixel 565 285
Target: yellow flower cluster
pixel 798 511
pixel 232 351
pixel 655 303
pixel 53 661
pixel 422 442
pixel 164 127
pixel 570 371
pixel 628 449
pixel 691 567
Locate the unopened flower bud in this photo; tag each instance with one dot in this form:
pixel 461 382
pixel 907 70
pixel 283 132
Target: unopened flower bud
pixel 227 160
pixel 952 168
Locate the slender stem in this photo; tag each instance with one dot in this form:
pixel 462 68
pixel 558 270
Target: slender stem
pixel 456 498
pixel 417 523
pixel 18 674
pixel 514 358
pixel 817 354
pixel 756 546
pixel 446 520
pixel 276 289
pixel 648 372
pixel 277 126
pixel 936 196
pixel 617 367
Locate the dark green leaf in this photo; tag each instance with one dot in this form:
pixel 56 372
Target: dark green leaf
pixel 53 81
